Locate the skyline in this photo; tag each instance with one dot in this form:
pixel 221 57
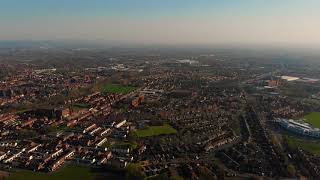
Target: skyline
pixel 163 22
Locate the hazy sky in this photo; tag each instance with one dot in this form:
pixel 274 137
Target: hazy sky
pixel 163 21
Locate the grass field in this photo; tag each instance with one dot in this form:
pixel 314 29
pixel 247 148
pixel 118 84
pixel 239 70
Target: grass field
pixel 307 145
pixel 22 111
pixel 156 131
pixel 70 172
pixel 26 134
pixel 118 89
pixel 79 106
pixel 55 129
pixel 313 119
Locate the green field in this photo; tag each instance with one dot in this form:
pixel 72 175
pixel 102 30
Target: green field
pixel 70 172
pixel 117 143
pixel 307 145
pixel 22 111
pixel 118 89
pixel 79 106
pixel 156 131
pixel 313 119
pixel 26 134
pixel 55 129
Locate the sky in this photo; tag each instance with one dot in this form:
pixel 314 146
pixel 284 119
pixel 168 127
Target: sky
pixel 163 21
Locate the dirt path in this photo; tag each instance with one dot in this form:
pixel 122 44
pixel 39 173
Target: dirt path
pixel 3 175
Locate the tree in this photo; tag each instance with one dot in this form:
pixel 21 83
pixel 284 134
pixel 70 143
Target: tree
pixel 291 170
pixel 134 172
pixel 205 173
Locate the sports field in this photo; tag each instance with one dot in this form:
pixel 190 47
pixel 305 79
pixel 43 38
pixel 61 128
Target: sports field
pixel 307 145
pixel 70 172
pixel 118 89
pixel 313 119
pixel 156 131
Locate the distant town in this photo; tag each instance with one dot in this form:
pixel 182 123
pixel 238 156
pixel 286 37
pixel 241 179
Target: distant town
pixel 157 114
